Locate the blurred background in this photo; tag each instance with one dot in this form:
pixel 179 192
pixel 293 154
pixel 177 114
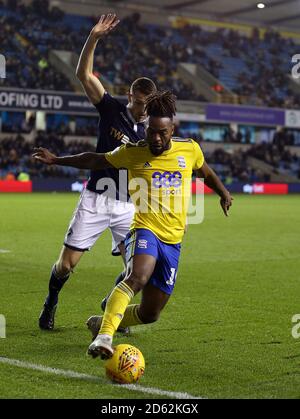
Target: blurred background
pixel 229 64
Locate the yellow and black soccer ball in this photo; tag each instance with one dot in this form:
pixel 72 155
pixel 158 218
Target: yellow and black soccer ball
pixel 126 366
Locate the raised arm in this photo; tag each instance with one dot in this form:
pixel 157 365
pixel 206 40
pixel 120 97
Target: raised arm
pixel 214 182
pixel 84 72
pixel 93 161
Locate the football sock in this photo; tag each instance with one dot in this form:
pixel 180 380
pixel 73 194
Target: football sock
pixel 55 285
pixel 131 316
pixel 119 279
pixel 115 308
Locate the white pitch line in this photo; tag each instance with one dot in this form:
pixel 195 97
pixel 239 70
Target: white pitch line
pixel 159 392
pixel 74 374
pixel 4 251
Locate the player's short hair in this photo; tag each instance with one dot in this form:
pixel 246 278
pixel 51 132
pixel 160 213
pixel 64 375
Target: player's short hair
pixel 143 85
pixel 161 104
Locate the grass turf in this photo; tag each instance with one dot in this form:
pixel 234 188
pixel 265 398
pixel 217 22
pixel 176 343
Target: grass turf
pixel 225 333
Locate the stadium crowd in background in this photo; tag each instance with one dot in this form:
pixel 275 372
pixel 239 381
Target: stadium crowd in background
pixel 26 67
pixel 254 67
pixel 41 29
pixel 15 158
pixel 282 137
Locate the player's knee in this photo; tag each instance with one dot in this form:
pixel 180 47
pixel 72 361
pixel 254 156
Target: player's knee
pixel 64 267
pixel 136 281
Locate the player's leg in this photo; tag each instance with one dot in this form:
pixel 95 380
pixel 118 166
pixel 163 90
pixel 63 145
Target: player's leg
pixel 122 294
pixel 155 294
pixel 152 303
pixel 148 311
pixel 60 273
pixel 141 254
pixel 121 219
pixel 158 289
pixel 121 276
pixel 90 219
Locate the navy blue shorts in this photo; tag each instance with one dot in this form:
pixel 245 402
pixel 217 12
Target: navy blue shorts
pixel 143 242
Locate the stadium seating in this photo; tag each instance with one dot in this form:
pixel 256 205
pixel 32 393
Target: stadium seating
pixel 248 66
pixel 15 157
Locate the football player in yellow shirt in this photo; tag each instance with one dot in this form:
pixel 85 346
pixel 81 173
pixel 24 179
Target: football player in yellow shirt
pixel 160 168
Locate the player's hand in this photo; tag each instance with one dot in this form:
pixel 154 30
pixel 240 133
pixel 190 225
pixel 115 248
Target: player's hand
pixel 105 24
pixel 226 202
pixel 44 155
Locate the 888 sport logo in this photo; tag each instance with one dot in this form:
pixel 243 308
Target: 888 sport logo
pixel 167 180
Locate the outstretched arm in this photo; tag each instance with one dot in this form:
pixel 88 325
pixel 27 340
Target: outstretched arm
pixel 93 161
pixel 214 182
pixel 84 72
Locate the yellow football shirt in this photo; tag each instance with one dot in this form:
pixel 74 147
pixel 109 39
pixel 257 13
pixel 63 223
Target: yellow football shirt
pixel 159 186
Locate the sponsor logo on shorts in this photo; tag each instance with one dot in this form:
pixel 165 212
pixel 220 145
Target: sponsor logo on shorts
pixel 142 244
pixel 147 164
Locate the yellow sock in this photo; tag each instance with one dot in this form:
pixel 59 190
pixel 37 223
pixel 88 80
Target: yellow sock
pixel 131 316
pixel 115 308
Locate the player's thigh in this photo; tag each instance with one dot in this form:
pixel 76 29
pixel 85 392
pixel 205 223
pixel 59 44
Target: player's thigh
pixel 91 218
pixel 68 259
pixel 165 273
pixel 139 271
pixel 141 256
pixel 152 303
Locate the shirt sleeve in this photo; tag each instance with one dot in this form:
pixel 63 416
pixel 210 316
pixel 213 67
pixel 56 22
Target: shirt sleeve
pixel 107 106
pixel 120 157
pixel 199 157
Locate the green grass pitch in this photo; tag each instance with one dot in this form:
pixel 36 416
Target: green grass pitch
pixel 226 332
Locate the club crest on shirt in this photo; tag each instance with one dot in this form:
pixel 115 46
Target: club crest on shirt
pixel 181 162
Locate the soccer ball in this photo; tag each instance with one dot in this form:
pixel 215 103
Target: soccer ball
pixel 126 366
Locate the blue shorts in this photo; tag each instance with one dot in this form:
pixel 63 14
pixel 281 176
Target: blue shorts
pixel 143 242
